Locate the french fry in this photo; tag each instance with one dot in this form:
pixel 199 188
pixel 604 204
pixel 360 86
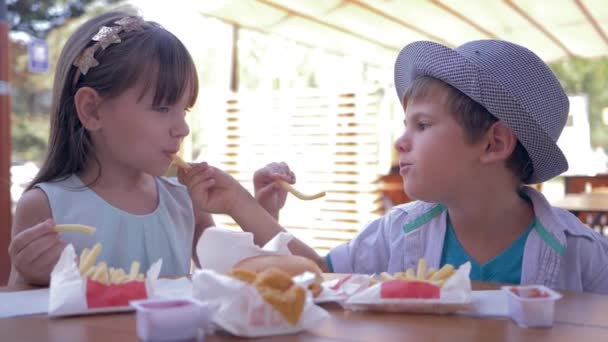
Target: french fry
pixel 83 255
pixel 421 269
pixel 433 276
pixel 386 276
pixel 90 260
pixel 179 162
pixel 80 228
pixel 118 276
pixel 444 273
pixel 409 274
pixel 134 272
pixel 101 274
pixel 112 272
pixel 400 275
pixel 298 194
pixel 430 273
pixel 89 272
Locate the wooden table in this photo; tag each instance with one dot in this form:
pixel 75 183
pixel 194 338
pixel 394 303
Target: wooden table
pixel 578 183
pixel 584 202
pixel 579 317
pixel 593 203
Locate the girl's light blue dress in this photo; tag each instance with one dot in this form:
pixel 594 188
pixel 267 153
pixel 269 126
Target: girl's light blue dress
pixel 166 233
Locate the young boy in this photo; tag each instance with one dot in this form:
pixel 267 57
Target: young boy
pixel 481 120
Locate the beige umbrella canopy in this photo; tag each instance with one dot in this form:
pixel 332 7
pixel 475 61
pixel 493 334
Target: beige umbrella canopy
pixel 377 29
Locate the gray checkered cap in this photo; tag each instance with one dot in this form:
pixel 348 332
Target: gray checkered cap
pixel 510 81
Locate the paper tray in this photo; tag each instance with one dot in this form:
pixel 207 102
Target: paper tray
pixel 455 296
pixel 427 306
pixel 108 309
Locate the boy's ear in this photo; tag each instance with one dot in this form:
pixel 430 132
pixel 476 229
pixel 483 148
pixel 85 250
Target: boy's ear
pixel 500 143
pixel 87 102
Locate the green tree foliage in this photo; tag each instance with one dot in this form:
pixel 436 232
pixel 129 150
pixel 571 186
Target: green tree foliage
pixel 38 18
pixel 53 21
pixel 588 77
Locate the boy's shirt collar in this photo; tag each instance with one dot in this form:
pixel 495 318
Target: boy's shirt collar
pixel 550 230
pixel 556 228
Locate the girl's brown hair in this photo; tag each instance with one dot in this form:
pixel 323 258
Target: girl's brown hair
pixel 152 56
pixel 473 117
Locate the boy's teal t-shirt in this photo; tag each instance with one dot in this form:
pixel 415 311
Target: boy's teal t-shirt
pixel 504 268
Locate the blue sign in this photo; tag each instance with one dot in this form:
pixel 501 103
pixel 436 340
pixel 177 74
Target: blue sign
pixel 38 56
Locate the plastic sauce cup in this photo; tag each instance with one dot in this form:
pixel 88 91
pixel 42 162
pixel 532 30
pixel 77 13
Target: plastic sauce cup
pixel 532 305
pixel 169 319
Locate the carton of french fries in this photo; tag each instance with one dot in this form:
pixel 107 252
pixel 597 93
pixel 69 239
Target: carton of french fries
pixel 249 304
pixel 420 290
pixel 82 285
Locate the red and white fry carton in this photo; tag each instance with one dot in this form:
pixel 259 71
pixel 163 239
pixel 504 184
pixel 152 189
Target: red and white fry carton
pixel 72 294
pixel 454 295
pixel 237 307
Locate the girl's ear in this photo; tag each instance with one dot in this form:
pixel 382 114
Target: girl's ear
pixel 500 143
pixel 87 102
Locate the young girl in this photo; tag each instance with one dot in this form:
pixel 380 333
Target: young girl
pixel 121 92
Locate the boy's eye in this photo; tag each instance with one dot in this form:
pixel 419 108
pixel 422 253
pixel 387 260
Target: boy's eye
pixel 161 109
pixel 422 126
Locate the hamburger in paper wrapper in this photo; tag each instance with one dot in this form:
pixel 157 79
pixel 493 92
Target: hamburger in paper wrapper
pixel 238 307
pixel 72 293
pixel 253 291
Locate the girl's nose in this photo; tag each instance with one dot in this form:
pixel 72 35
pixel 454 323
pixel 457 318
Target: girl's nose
pixel 180 128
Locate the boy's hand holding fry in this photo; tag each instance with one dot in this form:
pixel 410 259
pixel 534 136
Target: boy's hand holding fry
pixel 268 191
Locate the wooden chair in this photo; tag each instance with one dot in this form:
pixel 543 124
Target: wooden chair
pixel 5 238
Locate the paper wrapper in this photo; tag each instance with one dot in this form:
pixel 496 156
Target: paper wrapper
pixel 72 294
pixel 237 307
pixel 219 249
pixel 340 289
pixel 455 295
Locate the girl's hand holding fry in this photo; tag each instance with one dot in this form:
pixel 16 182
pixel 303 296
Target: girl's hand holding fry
pixel 35 251
pixel 211 189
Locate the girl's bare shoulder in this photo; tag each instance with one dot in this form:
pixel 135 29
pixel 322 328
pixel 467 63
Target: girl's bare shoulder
pixel 33 207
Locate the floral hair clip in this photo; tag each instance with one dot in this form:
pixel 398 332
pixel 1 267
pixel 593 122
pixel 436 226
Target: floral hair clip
pixel 106 36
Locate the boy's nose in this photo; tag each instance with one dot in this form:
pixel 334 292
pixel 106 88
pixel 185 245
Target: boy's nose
pixel 402 144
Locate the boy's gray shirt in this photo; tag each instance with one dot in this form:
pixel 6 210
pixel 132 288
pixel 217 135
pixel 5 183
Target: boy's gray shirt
pixel 560 252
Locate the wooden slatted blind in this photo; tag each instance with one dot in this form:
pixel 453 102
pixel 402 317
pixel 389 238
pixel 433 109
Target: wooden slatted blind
pixel 331 142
